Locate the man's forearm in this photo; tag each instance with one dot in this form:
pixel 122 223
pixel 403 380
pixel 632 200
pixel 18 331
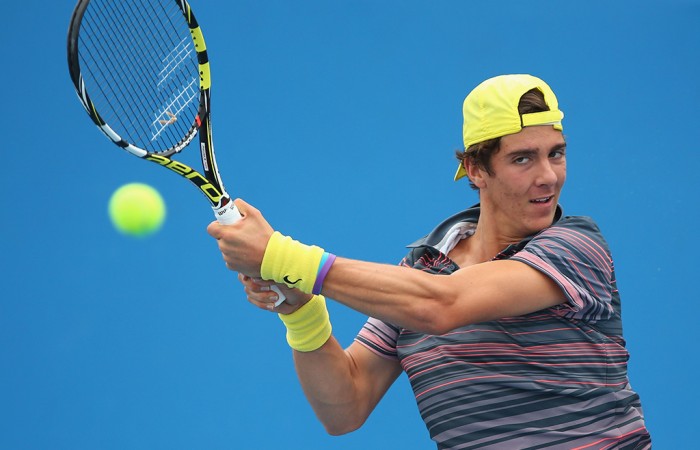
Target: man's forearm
pixel 396 294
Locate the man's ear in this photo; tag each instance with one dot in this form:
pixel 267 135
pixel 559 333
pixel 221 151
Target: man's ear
pixel 476 174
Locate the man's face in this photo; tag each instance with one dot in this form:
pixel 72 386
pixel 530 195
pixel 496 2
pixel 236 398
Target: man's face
pixel 527 175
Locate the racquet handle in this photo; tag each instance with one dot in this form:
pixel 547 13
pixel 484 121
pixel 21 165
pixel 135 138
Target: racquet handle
pixel 228 215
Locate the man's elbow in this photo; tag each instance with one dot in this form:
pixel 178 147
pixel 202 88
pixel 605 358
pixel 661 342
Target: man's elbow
pixel 341 427
pixel 431 317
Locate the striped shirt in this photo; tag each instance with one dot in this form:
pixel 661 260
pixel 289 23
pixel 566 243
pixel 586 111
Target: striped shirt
pixel 555 378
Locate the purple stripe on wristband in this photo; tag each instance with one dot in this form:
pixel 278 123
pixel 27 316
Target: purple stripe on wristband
pixel 323 271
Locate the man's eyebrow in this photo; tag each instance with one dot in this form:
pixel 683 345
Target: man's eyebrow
pixel 521 152
pixel 531 151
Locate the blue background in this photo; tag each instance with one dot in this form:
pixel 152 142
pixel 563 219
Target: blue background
pixel 339 121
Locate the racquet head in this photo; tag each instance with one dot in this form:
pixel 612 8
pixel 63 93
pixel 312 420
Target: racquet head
pixel 141 70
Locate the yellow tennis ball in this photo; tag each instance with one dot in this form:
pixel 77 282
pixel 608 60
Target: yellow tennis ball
pixel 137 209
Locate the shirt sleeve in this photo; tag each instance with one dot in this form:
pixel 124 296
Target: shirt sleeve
pixel 379 337
pixel 575 255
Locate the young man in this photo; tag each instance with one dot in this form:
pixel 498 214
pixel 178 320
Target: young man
pixel 510 329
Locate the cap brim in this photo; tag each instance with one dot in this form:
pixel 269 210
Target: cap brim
pixel 461 173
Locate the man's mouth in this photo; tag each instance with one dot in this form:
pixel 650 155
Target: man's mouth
pixel 542 200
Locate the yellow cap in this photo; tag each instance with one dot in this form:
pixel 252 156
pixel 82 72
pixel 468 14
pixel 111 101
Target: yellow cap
pixel 491 110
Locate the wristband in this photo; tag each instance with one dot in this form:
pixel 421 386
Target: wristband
pixel 323 268
pixel 291 262
pixel 309 327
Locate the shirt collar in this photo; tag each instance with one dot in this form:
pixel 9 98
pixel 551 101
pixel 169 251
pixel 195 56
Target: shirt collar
pixel 470 215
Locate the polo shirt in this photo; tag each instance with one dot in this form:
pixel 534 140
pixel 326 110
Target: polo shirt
pixel 555 378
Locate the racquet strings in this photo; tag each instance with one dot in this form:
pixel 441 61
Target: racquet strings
pixel 140 69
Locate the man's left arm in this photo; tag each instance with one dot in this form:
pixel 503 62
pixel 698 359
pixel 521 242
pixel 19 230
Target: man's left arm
pixel 436 304
pixel 410 298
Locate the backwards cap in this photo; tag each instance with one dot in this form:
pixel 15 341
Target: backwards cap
pixel 491 110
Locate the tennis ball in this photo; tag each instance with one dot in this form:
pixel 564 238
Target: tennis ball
pixel 137 209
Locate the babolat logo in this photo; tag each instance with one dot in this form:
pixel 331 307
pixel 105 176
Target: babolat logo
pixel 224 210
pixel 211 191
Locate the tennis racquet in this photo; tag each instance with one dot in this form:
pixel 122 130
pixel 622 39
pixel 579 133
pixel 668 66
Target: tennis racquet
pixel 141 70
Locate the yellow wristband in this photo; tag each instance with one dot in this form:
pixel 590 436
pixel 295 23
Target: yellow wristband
pixel 309 327
pixel 291 262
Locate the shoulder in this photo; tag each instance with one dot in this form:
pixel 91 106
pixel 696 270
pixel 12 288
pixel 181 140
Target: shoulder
pixel 575 231
pixel 582 223
pixel 574 254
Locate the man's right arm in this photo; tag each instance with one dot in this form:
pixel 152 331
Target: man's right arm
pixel 344 386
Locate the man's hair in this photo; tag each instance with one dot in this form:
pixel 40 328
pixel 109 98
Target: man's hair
pixel 480 154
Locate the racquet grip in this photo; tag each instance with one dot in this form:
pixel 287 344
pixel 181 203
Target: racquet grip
pixel 228 215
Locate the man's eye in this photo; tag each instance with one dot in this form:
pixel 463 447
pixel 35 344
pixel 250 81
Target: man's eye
pixel 557 154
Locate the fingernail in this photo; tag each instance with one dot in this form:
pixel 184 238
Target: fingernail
pixel 264 288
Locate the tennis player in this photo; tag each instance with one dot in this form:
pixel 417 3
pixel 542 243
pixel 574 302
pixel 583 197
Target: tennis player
pixel 506 317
